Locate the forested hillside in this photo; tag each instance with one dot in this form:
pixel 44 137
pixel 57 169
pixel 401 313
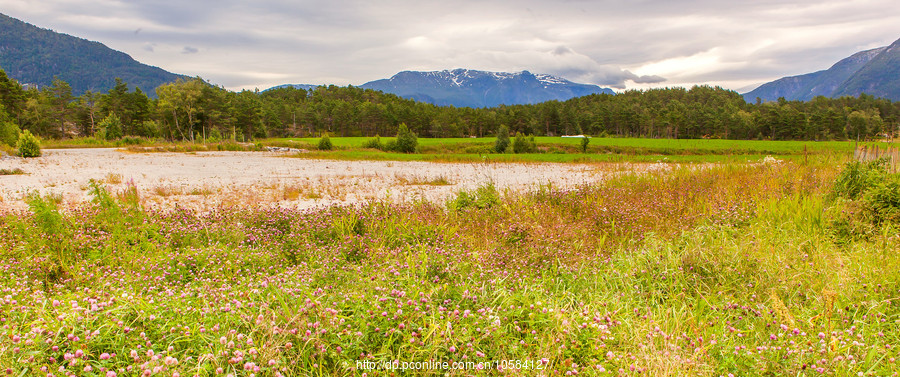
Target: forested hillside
pixel 34 55
pixel 193 109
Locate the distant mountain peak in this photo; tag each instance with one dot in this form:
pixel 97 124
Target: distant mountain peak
pixel 473 88
pixel 875 72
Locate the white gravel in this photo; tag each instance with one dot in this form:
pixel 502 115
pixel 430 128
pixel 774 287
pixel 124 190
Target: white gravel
pixel 248 178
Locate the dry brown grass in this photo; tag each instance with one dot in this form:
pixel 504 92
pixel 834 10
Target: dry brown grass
pixel 113 178
pixel 415 180
pixel 16 171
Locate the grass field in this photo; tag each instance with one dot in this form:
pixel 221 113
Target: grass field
pixel 689 146
pixel 359 155
pixel 556 149
pixel 551 149
pixel 741 269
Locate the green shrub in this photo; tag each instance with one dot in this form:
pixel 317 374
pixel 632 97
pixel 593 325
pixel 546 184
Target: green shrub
pixel 524 144
pixel 502 139
pixel 325 143
pixel 406 140
pixel 374 143
pixel 882 202
pixel 584 144
pixel 485 196
pixel 113 126
pixel 865 197
pixel 28 145
pixel 857 177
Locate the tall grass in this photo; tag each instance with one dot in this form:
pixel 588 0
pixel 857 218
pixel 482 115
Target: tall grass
pixel 701 271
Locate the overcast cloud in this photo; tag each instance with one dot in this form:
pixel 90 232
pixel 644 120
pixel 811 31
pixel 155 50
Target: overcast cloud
pixel 614 43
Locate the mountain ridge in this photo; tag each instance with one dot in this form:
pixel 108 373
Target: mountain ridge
pixel 34 55
pixel 474 88
pixel 875 72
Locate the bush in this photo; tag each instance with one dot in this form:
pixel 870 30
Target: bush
pixel 865 197
pixel 28 145
pixel 882 202
pixel 484 197
pixel 406 140
pixel 584 144
pixel 325 143
pixel 857 177
pixel 374 143
pixel 524 144
pixel 502 139
pixel 113 126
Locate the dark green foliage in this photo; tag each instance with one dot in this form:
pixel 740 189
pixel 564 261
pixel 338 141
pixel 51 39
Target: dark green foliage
pixel 147 128
pixel 502 139
pixel 325 143
pixel 523 144
pixel 12 97
pixel 28 145
pixel 584 144
pixel 112 127
pixel 406 140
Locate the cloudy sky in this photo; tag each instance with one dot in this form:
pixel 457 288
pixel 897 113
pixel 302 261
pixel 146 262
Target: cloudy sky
pixel 615 43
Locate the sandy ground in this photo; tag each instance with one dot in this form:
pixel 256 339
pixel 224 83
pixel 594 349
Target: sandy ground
pixel 248 178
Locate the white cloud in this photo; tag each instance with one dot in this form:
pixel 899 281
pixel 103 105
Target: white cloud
pixel 242 44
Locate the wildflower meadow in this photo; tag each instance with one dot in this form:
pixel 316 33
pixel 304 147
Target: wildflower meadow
pixel 777 268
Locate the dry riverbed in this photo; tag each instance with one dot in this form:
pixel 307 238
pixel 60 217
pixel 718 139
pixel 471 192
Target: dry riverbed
pixel 204 179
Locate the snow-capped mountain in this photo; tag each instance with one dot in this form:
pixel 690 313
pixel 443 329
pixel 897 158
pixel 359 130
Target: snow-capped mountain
pixel 471 88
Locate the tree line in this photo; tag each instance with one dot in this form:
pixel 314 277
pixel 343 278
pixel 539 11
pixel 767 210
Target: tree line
pixel 193 109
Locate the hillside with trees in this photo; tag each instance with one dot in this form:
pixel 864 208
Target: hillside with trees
pixel 192 109
pixel 33 55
